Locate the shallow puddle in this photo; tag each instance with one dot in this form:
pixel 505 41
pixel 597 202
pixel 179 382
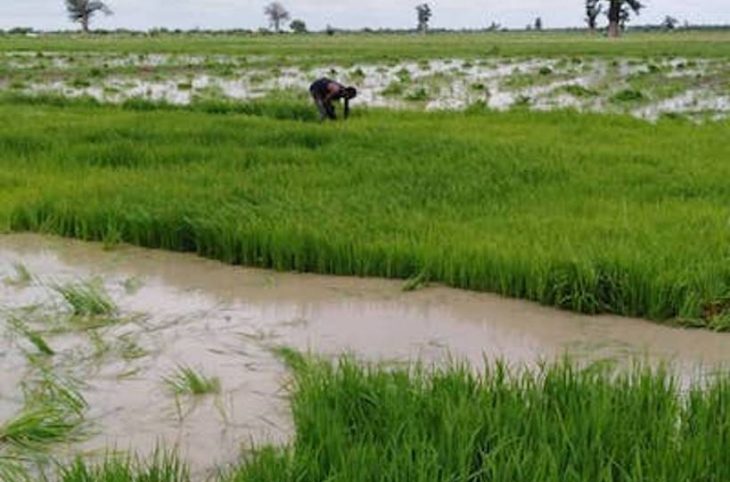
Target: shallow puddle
pixel 183 310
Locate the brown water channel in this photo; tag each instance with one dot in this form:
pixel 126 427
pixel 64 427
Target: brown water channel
pixel 224 320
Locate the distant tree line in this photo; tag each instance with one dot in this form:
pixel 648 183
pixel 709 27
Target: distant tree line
pixel 618 12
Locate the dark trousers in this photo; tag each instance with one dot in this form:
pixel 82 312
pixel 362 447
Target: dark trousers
pixel 326 109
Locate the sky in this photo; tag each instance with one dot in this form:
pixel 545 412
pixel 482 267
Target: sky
pixel 222 14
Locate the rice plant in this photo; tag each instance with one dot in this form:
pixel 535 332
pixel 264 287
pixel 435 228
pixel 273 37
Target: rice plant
pixel 52 413
pixel 557 423
pixel 22 276
pixel 185 380
pixel 35 338
pixel 544 208
pixel 162 466
pixel 87 299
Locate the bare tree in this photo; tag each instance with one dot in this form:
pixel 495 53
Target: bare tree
pixel 619 13
pixel 424 16
pixel 277 14
pixel 82 11
pixel 594 8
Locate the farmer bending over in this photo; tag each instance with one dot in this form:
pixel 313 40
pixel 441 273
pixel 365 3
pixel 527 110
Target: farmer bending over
pixel 325 91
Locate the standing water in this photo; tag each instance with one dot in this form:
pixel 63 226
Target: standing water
pixel 180 310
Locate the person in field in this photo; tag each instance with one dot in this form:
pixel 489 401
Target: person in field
pixel 326 91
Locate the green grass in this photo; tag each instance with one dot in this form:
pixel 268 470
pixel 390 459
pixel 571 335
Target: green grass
pixel 592 213
pixel 555 423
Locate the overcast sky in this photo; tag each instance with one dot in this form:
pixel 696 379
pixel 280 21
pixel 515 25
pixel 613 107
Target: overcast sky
pixel 214 14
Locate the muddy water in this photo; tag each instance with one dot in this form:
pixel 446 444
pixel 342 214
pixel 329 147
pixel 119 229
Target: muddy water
pixel 181 309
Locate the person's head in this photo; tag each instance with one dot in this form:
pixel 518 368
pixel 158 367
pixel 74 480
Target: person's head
pixel 350 93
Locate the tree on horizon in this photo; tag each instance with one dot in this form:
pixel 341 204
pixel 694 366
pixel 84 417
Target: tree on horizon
pixel 277 14
pixel 82 11
pixel 619 13
pixel 424 17
pixel 594 8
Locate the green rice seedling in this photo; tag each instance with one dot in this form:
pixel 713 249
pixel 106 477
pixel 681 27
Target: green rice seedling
pixel 52 413
pixel 13 470
pixel 358 74
pixel 33 337
pixel 579 91
pixel 101 347
pixel 627 95
pixel 80 83
pixel 555 423
pixel 418 95
pixel 87 299
pixel 163 466
pixel 404 75
pixel 132 285
pixel 394 89
pixel 416 282
pixel 22 277
pixel 522 101
pixel 129 348
pixel 185 380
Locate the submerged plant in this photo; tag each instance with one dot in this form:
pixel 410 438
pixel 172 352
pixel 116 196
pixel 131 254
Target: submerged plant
pixel 22 276
pixel 87 298
pixel 52 413
pixel 186 380
pixel 33 337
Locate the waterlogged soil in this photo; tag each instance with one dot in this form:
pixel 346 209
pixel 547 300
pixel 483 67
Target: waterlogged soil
pixel 181 310
pixel 645 88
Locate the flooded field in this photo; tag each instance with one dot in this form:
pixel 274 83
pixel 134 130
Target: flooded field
pixel 172 311
pixel 646 88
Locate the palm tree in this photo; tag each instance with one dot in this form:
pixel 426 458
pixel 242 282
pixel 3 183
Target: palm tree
pixel 277 14
pixel 619 12
pixel 83 10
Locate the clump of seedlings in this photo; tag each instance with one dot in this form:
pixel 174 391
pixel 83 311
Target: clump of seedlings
pixel 185 380
pixel 22 276
pixel 87 299
pixel 53 412
pixel 627 95
pixel 418 95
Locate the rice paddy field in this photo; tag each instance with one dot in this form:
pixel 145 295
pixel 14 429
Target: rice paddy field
pixel 369 306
